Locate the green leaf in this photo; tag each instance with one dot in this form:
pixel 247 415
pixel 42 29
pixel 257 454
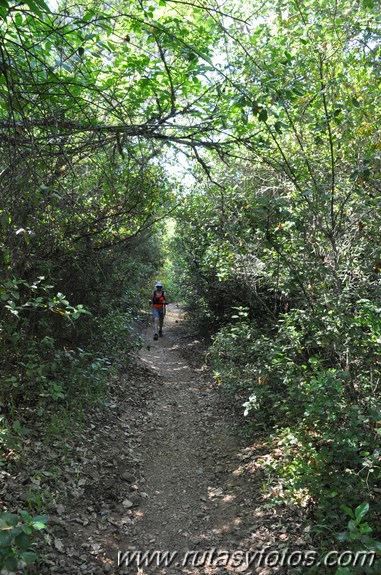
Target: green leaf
pixel 9 518
pixel 263 115
pixel 4 7
pixel 23 541
pixel 88 16
pixel 25 516
pixel 34 7
pixel 255 108
pixel 6 538
pixel 348 511
pixel 38 6
pixel 28 557
pixel 361 511
pixel 11 563
pixel 279 126
pixel 205 57
pixel 355 102
pixel 40 518
pixel 39 522
pixel 39 525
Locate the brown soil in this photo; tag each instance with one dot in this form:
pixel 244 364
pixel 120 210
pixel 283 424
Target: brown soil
pixel 163 468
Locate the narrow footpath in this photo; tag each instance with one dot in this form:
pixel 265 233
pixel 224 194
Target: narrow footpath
pixel 163 482
pixel 202 508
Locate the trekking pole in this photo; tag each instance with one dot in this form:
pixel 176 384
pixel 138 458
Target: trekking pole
pixel 146 330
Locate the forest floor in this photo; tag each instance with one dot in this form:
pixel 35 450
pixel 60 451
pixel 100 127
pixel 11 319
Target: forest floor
pixel 163 468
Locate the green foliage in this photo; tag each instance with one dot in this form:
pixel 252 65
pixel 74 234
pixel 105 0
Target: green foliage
pixel 287 235
pixel 17 533
pixel 170 272
pixel 82 194
pixel 358 530
pixel 319 403
pixel 276 245
pixel 45 372
pixel 41 298
pixel 358 539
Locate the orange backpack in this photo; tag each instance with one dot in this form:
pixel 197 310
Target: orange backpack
pixel 158 299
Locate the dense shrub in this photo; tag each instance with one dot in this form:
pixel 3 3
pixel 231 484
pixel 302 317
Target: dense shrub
pixel 320 406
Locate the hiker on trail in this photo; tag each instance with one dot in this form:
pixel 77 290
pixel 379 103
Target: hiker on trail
pixel 158 309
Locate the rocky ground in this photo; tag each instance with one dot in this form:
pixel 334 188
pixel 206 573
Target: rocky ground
pixel 162 467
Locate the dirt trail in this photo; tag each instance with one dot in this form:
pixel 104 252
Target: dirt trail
pixel 188 444
pixel 202 488
pixel 161 468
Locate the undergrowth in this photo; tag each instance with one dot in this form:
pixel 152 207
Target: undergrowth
pixel 49 383
pixel 312 383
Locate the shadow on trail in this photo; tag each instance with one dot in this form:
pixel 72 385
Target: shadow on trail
pixel 203 507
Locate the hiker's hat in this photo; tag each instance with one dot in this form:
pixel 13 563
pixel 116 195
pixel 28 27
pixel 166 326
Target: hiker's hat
pixel 158 284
